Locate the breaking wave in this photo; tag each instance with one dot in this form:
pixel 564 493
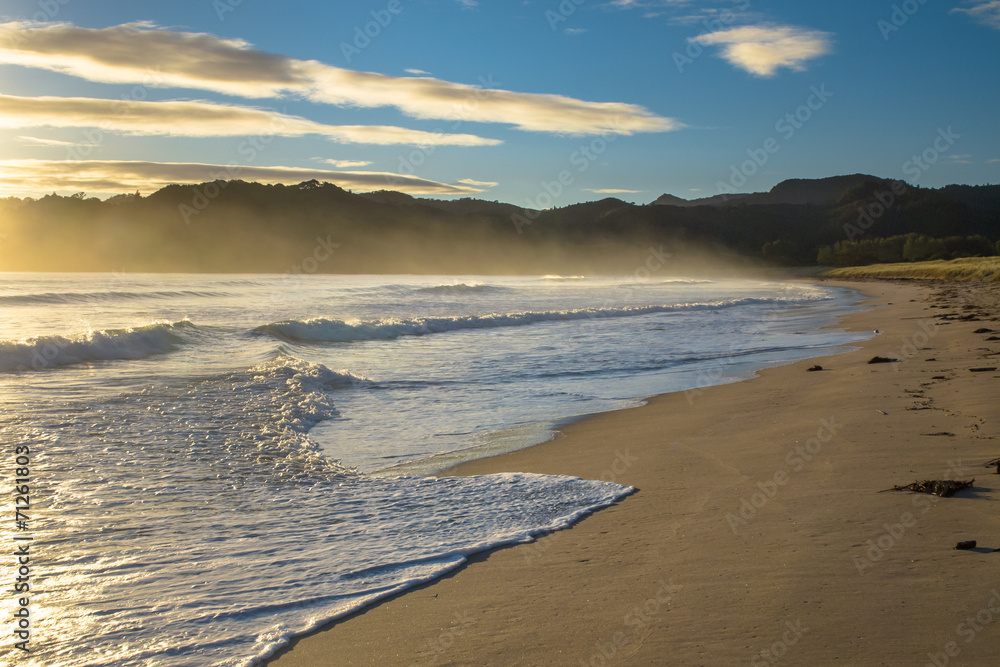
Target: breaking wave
pixel 42 352
pixel 462 288
pixel 341 331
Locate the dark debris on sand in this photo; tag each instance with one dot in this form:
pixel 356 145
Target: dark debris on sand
pixel 937 487
pixel 882 360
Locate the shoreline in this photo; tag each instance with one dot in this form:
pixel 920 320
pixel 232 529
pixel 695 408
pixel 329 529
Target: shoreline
pixel 748 535
pixel 550 429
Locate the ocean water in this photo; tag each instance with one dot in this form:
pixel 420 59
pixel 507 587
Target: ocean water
pixel 220 462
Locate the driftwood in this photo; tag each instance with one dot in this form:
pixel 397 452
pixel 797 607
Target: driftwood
pixel 993 462
pixel 938 487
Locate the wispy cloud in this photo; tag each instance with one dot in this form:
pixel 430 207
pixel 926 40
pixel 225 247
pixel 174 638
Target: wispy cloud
pixel 612 191
pixel 644 4
pixel 693 12
pixel 204 119
pixel 38 141
pixel 764 49
pixel 144 54
pixel 415 71
pixel 478 184
pixel 575 31
pixel 648 4
pixel 960 159
pixel 344 164
pixel 18 176
pixel 987 13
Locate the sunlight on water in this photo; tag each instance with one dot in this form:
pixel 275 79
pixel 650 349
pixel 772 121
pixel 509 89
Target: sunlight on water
pixel 219 463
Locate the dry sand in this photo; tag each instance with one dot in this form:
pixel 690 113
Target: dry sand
pixel 758 535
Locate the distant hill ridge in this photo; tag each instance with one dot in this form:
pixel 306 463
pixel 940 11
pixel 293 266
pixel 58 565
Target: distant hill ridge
pixel 251 227
pixel 817 191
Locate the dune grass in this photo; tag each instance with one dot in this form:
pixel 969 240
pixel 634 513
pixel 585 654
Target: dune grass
pixel 965 268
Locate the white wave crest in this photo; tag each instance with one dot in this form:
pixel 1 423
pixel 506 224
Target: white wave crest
pixel 340 331
pixel 462 288
pixel 41 352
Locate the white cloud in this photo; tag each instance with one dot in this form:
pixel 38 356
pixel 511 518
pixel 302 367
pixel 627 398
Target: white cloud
pixel 19 176
pixel 346 164
pixel 763 49
pixel 416 72
pixel 204 119
pixel 575 31
pixel 612 191
pixel 38 141
pixel 143 54
pixel 478 184
pixel 986 12
pixel 649 5
pixel 711 14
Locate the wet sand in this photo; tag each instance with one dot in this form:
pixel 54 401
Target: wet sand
pixel 758 535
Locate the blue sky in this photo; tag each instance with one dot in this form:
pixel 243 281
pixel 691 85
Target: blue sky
pixel 539 103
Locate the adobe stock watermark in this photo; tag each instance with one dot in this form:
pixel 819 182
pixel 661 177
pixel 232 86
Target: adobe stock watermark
pixel 410 162
pixel 619 466
pixel 898 17
pixel 694 49
pixel 292 279
pixel 795 460
pixel 894 532
pixel 656 259
pixel 19 472
pixel 912 344
pixel 550 191
pixel 48 350
pixel 249 148
pixel 562 12
pixel 776 651
pixel 720 368
pixel 435 647
pixel 48 9
pixel 223 7
pixel 364 35
pixel 967 631
pixel 634 622
pixel 709 377
pixel 786 126
pixel 915 167
pixel 119 109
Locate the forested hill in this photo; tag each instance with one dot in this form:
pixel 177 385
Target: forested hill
pixel 319 227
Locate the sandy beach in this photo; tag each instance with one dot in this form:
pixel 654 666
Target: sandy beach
pixel 758 534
